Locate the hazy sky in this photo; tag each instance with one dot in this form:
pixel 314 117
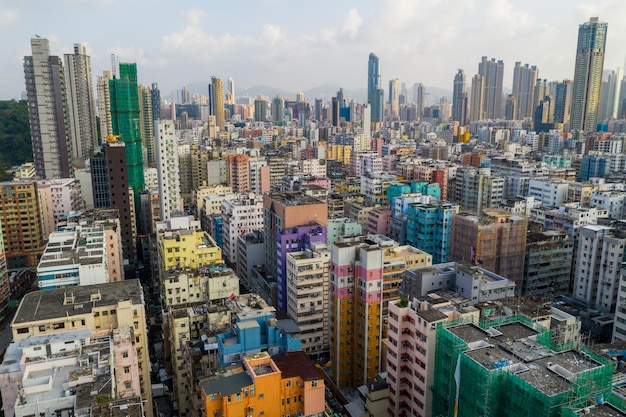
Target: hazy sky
pixel 297 45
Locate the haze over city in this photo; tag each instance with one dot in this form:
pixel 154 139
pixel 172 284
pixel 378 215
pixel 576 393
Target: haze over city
pixel 298 46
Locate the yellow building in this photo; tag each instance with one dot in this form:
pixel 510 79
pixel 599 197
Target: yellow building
pixel 366 273
pixel 280 386
pixel 187 248
pixel 339 153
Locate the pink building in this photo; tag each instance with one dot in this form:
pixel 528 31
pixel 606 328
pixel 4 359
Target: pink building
pixel 378 221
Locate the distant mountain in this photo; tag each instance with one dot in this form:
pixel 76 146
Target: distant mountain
pixel 325 92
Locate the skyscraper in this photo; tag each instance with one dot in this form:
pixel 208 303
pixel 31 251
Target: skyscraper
pixel 562 100
pixel 610 94
pixel 147 125
pixel 48 111
pixel 477 98
pixel 104 105
pixel 125 118
pixel 492 71
pixel 260 109
pixel 216 101
pixel 588 75
pixel 155 95
pixel 374 92
pixel 231 91
pixel 394 99
pixel 459 98
pixel 524 81
pixel 419 95
pixel 167 169
pixel 81 101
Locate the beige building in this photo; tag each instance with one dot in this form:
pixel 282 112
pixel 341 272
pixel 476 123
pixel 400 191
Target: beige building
pixel 58 321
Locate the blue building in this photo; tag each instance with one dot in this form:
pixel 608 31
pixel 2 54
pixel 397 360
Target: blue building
pixel 593 166
pixel 428 228
pixel 257 331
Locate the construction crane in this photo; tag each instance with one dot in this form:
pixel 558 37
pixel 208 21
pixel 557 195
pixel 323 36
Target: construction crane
pixel 113 138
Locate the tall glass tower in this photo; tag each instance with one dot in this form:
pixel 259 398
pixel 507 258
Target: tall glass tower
pixel 588 75
pixel 375 94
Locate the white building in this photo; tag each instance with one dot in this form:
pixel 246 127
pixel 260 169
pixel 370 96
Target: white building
pixel 151 178
pixel 313 167
pixel 619 324
pixel 550 193
pixel 167 169
pixel 611 201
pixel 374 185
pixel 599 259
pixel 308 296
pixel 74 258
pixel 257 165
pixel 241 215
pixel 58 197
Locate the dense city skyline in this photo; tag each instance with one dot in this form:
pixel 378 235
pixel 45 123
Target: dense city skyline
pixel 299 48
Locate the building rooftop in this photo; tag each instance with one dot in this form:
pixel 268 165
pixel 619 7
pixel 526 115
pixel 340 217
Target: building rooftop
pixel 227 385
pixel 65 302
pixel 600 410
pixel 293 364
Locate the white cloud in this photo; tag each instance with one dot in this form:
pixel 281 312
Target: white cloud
pixel 352 23
pixel 8 16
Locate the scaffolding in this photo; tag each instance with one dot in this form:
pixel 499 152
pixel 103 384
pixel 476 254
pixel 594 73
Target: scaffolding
pixel 126 117
pixel 514 387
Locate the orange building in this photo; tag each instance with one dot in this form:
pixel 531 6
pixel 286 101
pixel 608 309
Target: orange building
pixel 264 386
pixel 239 173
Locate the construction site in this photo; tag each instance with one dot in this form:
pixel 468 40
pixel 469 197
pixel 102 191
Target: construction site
pixel 510 367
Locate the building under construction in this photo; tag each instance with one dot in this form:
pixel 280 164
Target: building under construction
pixel 510 367
pixel 126 123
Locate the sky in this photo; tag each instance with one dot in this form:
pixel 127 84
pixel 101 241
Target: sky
pixel 298 45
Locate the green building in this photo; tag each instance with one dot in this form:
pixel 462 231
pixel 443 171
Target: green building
pixel 126 122
pixel 509 368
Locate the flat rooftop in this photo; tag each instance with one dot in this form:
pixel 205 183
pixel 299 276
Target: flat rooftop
pixel 45 305
pixel 600 410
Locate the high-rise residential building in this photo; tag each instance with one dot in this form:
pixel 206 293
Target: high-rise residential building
pixel 290 219
pixel 365 275
pixel 597 269
pixel 477 98
pixel 375 94
pixel 80 96
pixel 167 169
pixel 240 216
pixel 495 239
pixel 419 96
pixel 308 297
pixel 476 189
pixel 155 97
pixel 216 101
pixel 459 98
pixel 562 102
pixel 125 118
pixel 587 80
pixel 231 91
pixel 610 94
pixel 394 99
pixel 524 82
pixel 547 264
pixel 48 112
pixel 148 126
pixel 58 198
pixel 260 109
pixel 104 105
pixel 5 288
pixel 239 173
pixel 20 219
pixel 492 72
pixel 111 190
pixel 428 228
pixel 278 110
pixel 66 323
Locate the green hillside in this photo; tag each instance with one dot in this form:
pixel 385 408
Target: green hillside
pixel 15 143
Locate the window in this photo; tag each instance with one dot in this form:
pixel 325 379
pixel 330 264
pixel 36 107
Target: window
pixel 127 384
pixel 314 383
pixel 288 383
pixel 127 369
pixel 125 354
pixel 22 330
pixel 212 397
